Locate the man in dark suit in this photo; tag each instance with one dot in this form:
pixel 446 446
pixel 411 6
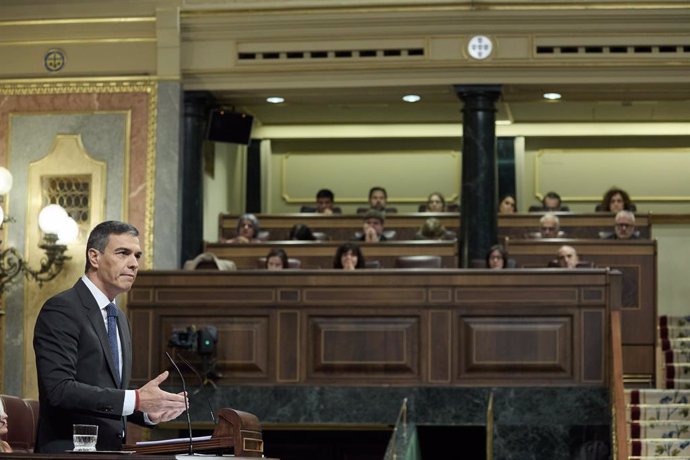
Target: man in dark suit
pixel 83 351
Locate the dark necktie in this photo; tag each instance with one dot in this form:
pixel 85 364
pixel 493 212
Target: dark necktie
pixel 111 310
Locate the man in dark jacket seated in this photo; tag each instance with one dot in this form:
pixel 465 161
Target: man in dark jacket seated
pixel 624 228
pixel 324 203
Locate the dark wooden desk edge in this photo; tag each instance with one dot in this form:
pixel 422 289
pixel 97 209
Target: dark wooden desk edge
pixel 123 456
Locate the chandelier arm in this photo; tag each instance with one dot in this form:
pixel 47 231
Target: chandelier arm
pixel 51 264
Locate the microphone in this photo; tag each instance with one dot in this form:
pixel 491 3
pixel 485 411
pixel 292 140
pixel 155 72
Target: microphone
pixel 201 385
pixel 186 404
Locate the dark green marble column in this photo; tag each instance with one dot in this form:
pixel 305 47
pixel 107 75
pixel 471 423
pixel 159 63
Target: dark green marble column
pixel 478 204
pixel 195 118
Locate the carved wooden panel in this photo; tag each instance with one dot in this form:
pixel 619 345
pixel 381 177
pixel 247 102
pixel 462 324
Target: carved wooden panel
pixel 384 327
pixel 172 296
pixel 352 347
pixel 141 340
pixel 515 347
pixel 440 346
pixel 594 338
pixel 288 349
pixel 242 347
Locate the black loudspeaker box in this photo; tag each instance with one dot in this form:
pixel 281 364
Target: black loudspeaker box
pixel 229 126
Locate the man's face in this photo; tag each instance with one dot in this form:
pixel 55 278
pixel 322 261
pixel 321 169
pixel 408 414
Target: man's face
pixel 374 223
pixel 567 257
pixel 323 203
pixel 115 269
pixel 553 204
pixel 549 229
pixel 625 227
pixel 377 199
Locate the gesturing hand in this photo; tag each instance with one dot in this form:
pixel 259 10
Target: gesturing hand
pixel 158 403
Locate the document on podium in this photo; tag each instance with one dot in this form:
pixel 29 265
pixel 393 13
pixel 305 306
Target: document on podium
pixel 163 442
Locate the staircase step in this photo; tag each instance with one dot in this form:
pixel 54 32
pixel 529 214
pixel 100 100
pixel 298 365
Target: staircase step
pixel 652 457
pixel 655 447
pixel 678 355
pixel 675 344
pixel 665 321
pixel 661 429
pixel 674 332
pixel 677 384
pixel 654 412
pixel 657 396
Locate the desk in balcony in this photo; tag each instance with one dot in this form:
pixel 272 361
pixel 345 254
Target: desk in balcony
pixel 637 261
pixel 343 227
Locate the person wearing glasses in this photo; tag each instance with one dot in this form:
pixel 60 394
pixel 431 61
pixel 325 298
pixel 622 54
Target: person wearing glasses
pixel 247 230
pixel 624 227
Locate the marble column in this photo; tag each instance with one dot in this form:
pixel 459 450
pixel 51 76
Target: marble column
pixel 478 229
pixel 195 119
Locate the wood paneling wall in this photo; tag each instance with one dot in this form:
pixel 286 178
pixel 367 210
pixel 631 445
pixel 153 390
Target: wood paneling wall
pixel 637 261
pixel 384 327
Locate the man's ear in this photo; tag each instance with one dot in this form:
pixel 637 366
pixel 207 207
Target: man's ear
pixel 94 256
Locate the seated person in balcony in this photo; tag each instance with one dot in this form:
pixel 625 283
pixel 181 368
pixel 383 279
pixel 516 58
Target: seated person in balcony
pixel 549 226
pixel 378 198
pixel 325 200
pixel 348 257
pixel 507 205
pixel 433 229
pixel 614 200
pixel 434 203
pixel 277 259
pixel 551 203
pixel 497 257
pixel 624 228
pixel 247 230
pixel 567 257
pixel 4 447
pixel 301 232
pixel 372 228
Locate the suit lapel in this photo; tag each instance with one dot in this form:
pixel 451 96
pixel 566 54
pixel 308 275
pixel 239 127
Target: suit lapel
pixel 95 317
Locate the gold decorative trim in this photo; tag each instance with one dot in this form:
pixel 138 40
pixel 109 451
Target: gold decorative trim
pixel 125 167
pixel 109 86
pixel 47 86
pixel 151 172
pixel 450 198
pixel 81 21
pixel 90 41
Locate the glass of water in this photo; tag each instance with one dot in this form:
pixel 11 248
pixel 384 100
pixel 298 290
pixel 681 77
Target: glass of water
pixel 85 437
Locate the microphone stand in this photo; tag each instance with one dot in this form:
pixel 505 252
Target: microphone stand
pixel 186 404
pixel 201 385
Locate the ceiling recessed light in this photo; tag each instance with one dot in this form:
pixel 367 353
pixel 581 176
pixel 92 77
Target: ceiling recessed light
pixel 552 96
pixel 411 98
pixel 275 99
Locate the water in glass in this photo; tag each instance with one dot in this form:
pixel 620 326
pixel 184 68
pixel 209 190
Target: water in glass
pixel 85 438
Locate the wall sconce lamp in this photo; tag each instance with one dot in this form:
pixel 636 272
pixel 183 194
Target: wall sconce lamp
pixel 58 230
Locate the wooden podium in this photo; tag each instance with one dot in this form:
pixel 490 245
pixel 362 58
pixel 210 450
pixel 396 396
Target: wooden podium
pixel 236 430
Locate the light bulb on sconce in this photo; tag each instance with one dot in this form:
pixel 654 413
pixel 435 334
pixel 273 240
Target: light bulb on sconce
pixel 58 230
